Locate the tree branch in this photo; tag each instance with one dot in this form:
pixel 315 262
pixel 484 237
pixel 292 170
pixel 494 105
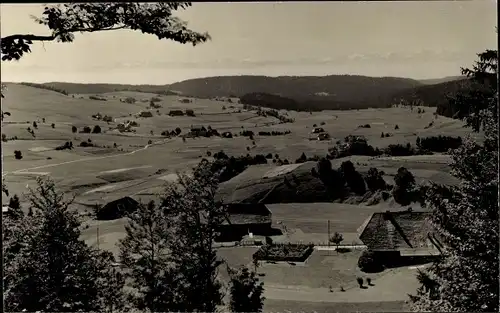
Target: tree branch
pixel 29 37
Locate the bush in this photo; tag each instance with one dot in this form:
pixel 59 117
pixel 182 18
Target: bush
pixel 322 123
pixel 359 280
pixel 269 156
pixel 129 100
pixel 396 127
pixel 53 125
pixel 4 137
pixel 87 130
pixel 96 129
pixel 178 131
pixel 353 179
pixel 18 154
pixel 74 129
pixel 368 262
pixel 209 153
pixel 35 125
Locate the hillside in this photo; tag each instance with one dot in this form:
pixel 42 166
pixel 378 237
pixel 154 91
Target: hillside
pixel 432 95
pixel 73 88
pixel 440 80
pixel 301 93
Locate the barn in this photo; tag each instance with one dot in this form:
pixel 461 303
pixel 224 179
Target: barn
pixel 243 219
pixel 401 237
pixel 117 208
pixel 176 113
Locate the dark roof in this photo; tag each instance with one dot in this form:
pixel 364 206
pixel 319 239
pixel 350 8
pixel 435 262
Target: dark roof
pixel 241 214
pixel 399 231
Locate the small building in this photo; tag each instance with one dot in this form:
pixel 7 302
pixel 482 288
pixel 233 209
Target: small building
pixel 117 209
pixel 176 113
pixel 323 136
pixel 145 114
pixel 245 218
pixel 400 236
pixel 317 130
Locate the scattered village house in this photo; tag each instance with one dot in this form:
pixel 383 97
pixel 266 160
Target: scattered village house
pixel 401 236
pixel 323 136
pixel 243 219
pixel 198 130
pixel 176 113
pixel 117 208
pixel 145 114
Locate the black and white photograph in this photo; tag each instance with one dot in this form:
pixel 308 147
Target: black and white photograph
pixel 314 156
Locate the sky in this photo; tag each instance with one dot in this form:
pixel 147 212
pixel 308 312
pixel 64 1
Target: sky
pixel 418 40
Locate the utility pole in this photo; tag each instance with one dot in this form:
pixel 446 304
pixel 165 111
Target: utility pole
pixel 97 236
pixel 328 237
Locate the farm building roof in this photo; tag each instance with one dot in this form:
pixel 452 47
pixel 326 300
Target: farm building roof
pixel 242 214
pixel 404 231
pixel 273 184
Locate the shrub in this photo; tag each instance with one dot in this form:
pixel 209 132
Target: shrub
pixel 150 141
pixel 322 123
pixel 129 100
pixel 4 137
pixel 53 125
pixel 382 135
pixel 396 127
pixel 315 125
pixel 368 262
pixel 360 281
pixel 209 153
pixel 86 130
pixel 96 129
pixel 35 125
pixel 248 148
pixel 178 131
pixel 18 154
pixel 74 129
pixel 86 144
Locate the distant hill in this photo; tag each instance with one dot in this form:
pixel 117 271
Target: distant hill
pixel 441 80
pixel 315 93
pixel 73 88
pixel 340 88
pixel 433 95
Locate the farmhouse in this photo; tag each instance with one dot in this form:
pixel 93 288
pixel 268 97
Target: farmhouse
pixel 246 218
pixel 400 234
pixel 117 209
pixel 145 114
pixel 176 113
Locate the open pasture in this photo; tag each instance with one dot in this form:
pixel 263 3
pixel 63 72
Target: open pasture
pixel 146 147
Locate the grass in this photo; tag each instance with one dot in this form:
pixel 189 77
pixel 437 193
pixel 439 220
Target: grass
pixel 272 305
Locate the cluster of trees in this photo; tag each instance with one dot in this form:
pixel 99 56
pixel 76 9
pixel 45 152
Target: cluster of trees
pixel 167 259
pixel 229 167
pixel 439 143
pixel 466 217
pixel 274 133
pixel 46 87
pixel 172 133
pixel 68 145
